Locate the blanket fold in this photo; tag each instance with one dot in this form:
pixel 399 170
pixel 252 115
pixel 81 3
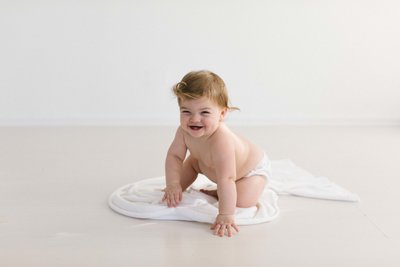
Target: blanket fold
pixel 142 199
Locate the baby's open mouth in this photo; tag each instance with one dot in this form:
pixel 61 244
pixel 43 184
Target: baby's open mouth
pixel 195 128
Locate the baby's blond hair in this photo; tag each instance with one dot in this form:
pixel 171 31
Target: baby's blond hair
pixel 197 84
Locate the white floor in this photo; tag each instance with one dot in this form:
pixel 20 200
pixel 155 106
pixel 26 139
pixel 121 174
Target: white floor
pixel 55 181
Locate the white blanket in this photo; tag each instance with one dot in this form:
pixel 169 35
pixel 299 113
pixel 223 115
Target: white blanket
pixel 142 199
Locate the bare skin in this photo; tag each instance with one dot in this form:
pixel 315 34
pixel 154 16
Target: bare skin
pixel 219 154
pixel 212 193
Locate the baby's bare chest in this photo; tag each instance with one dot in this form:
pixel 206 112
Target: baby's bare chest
pixel 202 155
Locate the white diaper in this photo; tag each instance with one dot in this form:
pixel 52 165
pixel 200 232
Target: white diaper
pixel 263 168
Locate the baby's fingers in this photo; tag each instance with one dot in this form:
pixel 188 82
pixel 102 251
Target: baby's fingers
pixel 235 227
pixel 230 229
pixel 174 200
pixel 167 199
pixel 171 201
pixel 178 198
pixel 218 230
pixel 215 227
pixel 222 230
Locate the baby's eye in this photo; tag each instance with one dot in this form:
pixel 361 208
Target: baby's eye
pixel 205 112
pixel 185 112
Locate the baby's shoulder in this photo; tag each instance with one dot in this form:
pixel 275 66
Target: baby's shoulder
pixel 225 137
pixel 223 132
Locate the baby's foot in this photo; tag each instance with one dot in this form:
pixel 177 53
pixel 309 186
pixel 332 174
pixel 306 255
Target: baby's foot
pixel 212 193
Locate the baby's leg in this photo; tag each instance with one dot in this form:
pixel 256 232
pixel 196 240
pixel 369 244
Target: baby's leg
pixel 189 172
pixel 212 193
pixel 249 190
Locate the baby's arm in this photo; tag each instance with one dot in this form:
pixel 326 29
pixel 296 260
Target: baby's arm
pixel 223 154
pixel 173 165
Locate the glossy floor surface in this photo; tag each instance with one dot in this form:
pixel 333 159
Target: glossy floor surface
pixel 55 181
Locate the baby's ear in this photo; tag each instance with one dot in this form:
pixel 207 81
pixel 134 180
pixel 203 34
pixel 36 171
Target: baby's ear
pixel 224 112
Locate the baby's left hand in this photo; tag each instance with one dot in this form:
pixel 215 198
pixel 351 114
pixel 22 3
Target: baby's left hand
pixel 224 224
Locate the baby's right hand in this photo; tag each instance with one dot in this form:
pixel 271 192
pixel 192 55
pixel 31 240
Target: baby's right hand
pixel 173 195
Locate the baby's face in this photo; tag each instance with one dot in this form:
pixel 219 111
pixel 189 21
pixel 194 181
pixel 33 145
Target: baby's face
pixel 200 117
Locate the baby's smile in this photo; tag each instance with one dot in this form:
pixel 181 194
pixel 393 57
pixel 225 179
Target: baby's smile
pixel 195 127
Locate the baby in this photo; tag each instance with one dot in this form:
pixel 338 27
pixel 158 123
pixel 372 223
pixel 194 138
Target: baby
pixel 238 167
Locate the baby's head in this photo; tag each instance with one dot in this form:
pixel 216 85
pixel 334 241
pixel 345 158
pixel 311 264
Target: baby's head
pixel 198 84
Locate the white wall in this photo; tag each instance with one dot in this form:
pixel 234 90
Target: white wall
pixel 112 62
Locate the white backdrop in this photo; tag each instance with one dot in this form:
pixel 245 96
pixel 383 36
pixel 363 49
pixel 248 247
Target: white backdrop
pixel 114 62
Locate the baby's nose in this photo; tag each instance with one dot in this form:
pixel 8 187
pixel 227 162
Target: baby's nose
pixel 195 118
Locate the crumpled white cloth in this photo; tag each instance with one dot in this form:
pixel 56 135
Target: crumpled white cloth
pixel 142 199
